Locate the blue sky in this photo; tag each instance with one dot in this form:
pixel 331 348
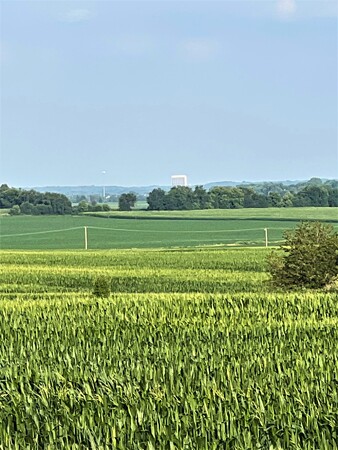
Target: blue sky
pixel 227 90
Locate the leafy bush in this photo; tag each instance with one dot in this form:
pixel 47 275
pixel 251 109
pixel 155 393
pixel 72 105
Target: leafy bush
pixel 15 210
pixel 127 201
pixel 310 257
pixel 102 287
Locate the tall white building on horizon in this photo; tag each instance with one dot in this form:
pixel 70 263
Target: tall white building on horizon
pixel 179 180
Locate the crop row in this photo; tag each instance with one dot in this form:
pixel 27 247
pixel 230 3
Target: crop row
pixel 170 371
pixel 223 363
pixel 237 259
pixel 43 278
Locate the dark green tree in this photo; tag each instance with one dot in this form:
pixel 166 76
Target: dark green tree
pixel 333 197
pixel 83 206
pixel 127 201
pixel 26 208
pixel 57 203
pixel 42 209
pixel 287 200
pixel 309 257
pixel 254 200
pixel 312 195
pixel 156 199
pixel 223 197
pixel 275 199
pixel 201 198
pixel 102 287
pixel 179 198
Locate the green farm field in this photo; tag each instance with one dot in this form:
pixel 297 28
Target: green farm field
pixel 156 229
pixel 193 350
pixel 307 213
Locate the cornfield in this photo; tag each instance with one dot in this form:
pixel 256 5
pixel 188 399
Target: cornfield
pixel 193 350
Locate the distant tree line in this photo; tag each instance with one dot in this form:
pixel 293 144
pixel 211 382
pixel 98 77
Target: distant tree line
pixel 94 199
pixel 21 201
pixel 312 193
pixel 31 202
pixel 93 206
pixel 258 195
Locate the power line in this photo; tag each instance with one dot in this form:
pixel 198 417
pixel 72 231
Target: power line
pixel 139 231
pixel 177 231
pixel 40 232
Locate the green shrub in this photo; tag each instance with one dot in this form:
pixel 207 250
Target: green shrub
pixel 102 287
pixel 309 259
pixel 15 210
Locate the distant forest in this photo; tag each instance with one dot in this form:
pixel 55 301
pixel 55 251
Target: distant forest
pixel 314 192
pixel 263 195
pixel 21 201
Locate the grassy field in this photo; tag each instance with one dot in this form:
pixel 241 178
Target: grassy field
pixel 193 350
pixel 192 228
pixel 140 204
pixel 313 213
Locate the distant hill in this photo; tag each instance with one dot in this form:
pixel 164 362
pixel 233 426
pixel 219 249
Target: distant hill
pixel 97 190
pixel 222 183
pixel 254 183
pixel 144 190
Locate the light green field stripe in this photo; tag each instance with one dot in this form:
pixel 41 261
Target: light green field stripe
pixel 178 231
pixel 138 230
pixel 142 231
pixel 40 232
pixel 129 230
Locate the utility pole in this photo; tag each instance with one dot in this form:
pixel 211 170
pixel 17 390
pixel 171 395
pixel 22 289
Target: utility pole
pixel 104 187
pixel 86 238
pixel 266 237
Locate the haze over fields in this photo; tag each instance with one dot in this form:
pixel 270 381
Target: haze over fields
pixel 217 90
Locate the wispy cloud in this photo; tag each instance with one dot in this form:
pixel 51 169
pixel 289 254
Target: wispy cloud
pixel 199 49
pixel 77 15
pixel 286 8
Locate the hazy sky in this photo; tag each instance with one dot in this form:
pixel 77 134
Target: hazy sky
pixel 226 90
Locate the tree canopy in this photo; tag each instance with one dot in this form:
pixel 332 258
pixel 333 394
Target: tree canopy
pixel 309 258
pixel 33 202
pixel 127 201
pixel 260 195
